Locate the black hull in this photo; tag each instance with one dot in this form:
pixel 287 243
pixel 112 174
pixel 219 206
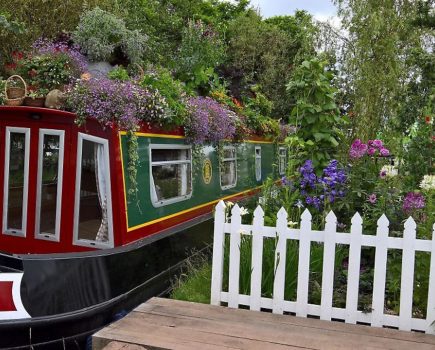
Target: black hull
pixel 71 296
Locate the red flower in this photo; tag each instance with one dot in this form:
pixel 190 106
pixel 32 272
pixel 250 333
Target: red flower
pixel 17 55
pixel 33 73
pixel 10 66
pixel 427 119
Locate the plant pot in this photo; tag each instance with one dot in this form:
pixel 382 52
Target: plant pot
pixel 34 102
pixel 99 68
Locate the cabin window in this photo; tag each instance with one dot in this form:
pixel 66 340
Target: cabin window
pixel 16 181
pixel 258 163
pixel 282 160
pixel 171 174
pixel 49 190
pixel 228 168
pixel 93 202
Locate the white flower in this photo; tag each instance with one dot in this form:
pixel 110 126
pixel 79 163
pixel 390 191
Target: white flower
pixel 229 204
pixel 389 171
pixel 428 182
pixel 292 223
pixel 243 211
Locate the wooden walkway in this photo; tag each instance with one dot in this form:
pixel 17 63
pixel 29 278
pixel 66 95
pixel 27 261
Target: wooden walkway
pixel 168 324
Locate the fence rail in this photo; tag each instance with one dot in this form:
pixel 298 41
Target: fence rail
pixel 409 245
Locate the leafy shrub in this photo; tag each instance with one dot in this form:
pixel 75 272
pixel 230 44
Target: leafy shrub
pixel 316 114
pixel 172 90
pixel 201 51
pixel 119 73
pixel 2 91
pixel 100 33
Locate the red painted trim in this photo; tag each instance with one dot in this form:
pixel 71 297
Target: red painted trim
pixel 6 298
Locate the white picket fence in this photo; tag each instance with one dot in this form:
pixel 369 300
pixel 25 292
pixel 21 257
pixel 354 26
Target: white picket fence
pixel 409 244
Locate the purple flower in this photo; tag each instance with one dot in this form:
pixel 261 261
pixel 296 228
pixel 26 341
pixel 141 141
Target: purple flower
pixel 383 174
pixel 371 151
pixel 114 103
pixel 44 46
pixel 357 149
pixel 413 201
pixel 372 198
pixel 384 152
pixel 209 121
pixel 377 143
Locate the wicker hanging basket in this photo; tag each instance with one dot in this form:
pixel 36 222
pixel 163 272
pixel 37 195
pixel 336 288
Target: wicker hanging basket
pixel 15 95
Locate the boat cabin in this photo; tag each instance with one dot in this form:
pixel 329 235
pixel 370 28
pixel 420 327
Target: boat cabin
pixel 64 188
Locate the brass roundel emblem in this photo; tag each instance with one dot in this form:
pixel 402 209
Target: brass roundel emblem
pixel 207 171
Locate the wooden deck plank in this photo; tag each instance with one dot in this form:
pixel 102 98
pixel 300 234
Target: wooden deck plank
pixel 198 310
pixel 169 324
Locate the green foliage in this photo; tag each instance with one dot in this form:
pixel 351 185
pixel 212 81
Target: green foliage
pixel 119 73
pixel 315 114
pixel 99 33
pixel 8 26
pixel 194 283
pixel 381 39
pixel 2 91
pixel 200 52
pixel 172 90
pixel 46 72
pixel 42 19
pixel 265 52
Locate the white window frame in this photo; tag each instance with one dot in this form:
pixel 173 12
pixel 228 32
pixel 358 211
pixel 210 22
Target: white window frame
pixel 282 171
pixel 227 160
pixel 258 175
pixel 38 234
pixel 154 200
pixel 26 132
pixel 87 242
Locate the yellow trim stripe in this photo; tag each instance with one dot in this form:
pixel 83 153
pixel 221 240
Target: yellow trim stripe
pixel 191 209
pixel 182 137
pixel 166 136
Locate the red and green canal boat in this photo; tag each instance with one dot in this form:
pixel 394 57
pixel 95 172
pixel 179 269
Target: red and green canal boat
pixel 75 250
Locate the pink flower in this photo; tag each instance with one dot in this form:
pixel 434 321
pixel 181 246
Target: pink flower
pixel 372 198
pixel 358 149
pixel 383 174
pixel 384 152
pixel 378 144
pixel 371 151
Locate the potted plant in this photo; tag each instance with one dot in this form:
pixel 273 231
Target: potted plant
pixel 36 97
pixel 101 36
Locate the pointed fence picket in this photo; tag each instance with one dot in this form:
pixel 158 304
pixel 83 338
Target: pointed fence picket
pixel 409 245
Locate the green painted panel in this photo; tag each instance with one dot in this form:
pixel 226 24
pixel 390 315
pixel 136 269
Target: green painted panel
pixel 142 210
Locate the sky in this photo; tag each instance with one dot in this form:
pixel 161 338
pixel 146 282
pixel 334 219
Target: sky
pixel 320 9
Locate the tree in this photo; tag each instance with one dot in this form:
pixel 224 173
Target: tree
pixel 382 38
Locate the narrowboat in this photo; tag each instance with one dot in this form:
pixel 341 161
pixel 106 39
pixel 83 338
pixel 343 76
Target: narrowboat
pixel 76 251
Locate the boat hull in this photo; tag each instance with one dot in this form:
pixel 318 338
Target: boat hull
pixel 70 296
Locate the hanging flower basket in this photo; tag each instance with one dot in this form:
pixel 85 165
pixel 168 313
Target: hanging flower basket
pixel 15 95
